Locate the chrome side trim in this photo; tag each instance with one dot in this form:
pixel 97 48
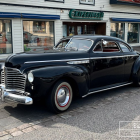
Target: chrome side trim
pixel 78 62
pixel 112 57
pixel 106 89
pixel 79 59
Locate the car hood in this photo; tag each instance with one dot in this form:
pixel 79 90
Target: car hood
pixel 16 60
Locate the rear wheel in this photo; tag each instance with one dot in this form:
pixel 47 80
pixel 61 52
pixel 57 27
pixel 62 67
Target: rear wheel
pixel 60 98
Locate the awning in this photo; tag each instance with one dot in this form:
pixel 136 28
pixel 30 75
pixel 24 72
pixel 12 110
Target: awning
pixel 9 15
pixel 28 15
pixel 39 16
pixel 125 19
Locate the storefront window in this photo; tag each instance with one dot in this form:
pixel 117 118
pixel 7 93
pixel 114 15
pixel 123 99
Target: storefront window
pixel 79 28
pixel 5 37
pixel 117 30
pixel 133 33
pixel 38 35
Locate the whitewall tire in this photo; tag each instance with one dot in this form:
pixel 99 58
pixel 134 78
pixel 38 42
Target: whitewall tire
pixel 60 98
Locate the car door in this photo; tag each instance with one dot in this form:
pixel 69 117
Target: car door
pixel 129 59
pixel 107 65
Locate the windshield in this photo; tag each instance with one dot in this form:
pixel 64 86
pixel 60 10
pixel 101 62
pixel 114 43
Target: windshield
pixel 79 45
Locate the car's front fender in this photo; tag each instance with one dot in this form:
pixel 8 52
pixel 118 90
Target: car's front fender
pixel 46 77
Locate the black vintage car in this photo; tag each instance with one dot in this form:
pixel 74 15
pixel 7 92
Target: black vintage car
pixel 85 65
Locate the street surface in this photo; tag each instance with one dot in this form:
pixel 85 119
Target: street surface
pixel 95 117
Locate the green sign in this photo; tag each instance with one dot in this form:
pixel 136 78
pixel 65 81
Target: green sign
pixel 76 14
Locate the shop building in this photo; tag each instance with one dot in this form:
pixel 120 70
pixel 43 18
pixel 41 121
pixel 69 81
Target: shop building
pixel 30 25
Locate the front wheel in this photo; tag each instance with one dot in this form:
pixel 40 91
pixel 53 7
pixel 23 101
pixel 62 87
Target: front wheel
pixel 60 98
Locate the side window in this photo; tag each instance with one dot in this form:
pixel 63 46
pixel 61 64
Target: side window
pixel 98 47
pixel 62 44
pixel 110 47
pixel 124 47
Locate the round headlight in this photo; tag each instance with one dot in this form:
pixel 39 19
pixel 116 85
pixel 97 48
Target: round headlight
pixel 30 77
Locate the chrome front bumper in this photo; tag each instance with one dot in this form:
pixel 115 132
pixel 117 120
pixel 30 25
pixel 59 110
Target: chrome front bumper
pixel 7 95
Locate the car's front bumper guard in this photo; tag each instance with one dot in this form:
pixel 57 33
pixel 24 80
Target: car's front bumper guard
pixel 6 95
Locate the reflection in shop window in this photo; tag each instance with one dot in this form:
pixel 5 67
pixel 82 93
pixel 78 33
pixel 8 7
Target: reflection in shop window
pixel 117 30
pixel 39 27
pixel 133 33
pixel 5 37
pixel 38 35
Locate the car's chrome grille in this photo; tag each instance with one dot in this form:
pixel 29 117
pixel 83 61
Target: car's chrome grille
pixel 2 78
pixel 13 79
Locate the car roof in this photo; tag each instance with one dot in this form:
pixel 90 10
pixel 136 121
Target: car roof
pixel 93 37
pixel 96 37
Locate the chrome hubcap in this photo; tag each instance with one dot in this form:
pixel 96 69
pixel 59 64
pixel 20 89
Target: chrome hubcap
pixel 63 96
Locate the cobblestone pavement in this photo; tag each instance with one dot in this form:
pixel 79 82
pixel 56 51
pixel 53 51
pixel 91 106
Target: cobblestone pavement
pixel 94 117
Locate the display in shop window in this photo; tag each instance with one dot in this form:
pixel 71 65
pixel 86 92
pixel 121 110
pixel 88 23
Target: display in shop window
pixel 133 33
pixel 39 27
pixel 38 36
pixel 5 37
pixel 71 30
pixel 117 30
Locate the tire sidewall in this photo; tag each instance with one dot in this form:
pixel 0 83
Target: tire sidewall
pixel 57 107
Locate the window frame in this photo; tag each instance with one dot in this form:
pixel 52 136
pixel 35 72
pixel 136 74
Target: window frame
pixel 81 39
pixel 129 48
pixel 56 1
pixel 86 3
pixel 11 38
pixel 120 50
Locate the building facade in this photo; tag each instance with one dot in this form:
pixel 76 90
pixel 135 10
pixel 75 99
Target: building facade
pixel 33 25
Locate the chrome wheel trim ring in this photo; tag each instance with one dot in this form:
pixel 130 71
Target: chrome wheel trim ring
pixel 63 96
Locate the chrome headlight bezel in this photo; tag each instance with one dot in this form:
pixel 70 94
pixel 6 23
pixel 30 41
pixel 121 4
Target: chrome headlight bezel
pixel 30 77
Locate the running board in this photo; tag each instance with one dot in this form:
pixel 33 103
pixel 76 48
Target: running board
pixel 106 89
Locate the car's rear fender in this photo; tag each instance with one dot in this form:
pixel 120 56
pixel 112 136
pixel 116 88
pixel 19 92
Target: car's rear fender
pixel 136 69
